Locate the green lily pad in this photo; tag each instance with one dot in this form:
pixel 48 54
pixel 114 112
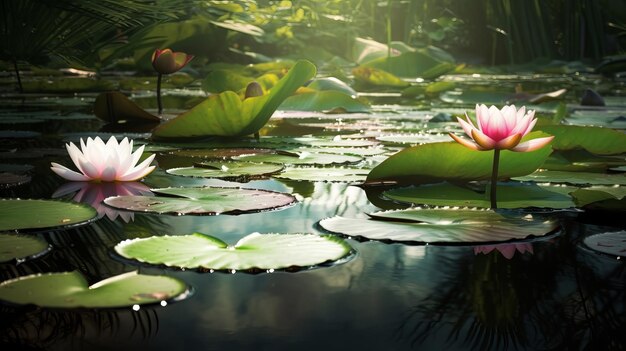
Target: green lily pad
pixel 19 248
pixel 71 290
pixel 221 153
pixel 253 252
pixel 332 84
pixel 356 151
pixel 377 77
pixel 225 114
pixel 515 195
pixel 20 214
pixel 434 162
pixel 440 226
pixel 113 107
pixel 613 243
pixel 203 201
pixel 9 180
pixel 302 158
pixel 350 175
pixel 597 194
pixel 228 170
pixel 577 178
pixel 323 101
pixel 597 140
pixel 418 63
pixel 320 142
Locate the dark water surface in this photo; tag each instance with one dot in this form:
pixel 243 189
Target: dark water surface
pixel 389 296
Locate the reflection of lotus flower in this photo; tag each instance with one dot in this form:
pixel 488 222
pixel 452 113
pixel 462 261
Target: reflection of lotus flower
pixel 507 250
pixel 93 194
pixel 501 129
pixel 166 61
pixel 105 162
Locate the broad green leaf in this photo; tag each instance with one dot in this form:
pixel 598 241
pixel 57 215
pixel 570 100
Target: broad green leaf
pixel 597 140
pixel 612 243
pixel 440 226
pixel 222 80
pixel 301 158
pixel 226 114
pixel 324 174
pixel 19 247
pixel 577 178
pixel 509 195
pixel 333 84
pixel 377 77
pixel 113 107
pixel 595 194
pixel 71 290
pixel 253 252
pixel 434 162
pixel 324 101
pixel 228 170
pixel 43 214
pixel 203 201
pixel 418 63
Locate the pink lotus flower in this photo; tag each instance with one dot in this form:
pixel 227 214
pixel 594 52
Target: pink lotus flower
pixel 166 61
pixel 108 162
pixel 507 250
pixel 501 130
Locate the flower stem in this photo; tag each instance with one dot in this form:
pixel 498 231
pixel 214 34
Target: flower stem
pixel 17 75
pixel 494 178
pixel 159 94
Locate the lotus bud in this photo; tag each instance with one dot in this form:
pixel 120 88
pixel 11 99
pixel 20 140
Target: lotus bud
pixel 253 89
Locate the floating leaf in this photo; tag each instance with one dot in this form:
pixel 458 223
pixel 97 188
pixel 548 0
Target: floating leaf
pixel 613 243
pixel 333 84
pixel 598 140
pixel 418 63
pixel 223 80
pixel 203 201
pixel 515 195
pixel 435 162
pixel 19 247
pixel 20 214
pixel 439 226
pixel 302 158
pixel 222 153
pixel 253 252
pixel 578 178
pixel 113 107
pixel 596 194
pixel 71 290
pixel 324 174
pixel 228 170
pixel 324 101
pixel 378 77
pixel 226 114
pixel 9 180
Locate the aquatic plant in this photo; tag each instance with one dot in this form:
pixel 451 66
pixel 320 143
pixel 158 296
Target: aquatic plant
pixel 167 61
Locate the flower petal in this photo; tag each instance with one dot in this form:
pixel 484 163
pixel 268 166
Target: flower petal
pixel 509 143
pixel 465 142
pixel 68 173
pixel 467 126
pixel 532 145
pixel 139 171
pixel 485 142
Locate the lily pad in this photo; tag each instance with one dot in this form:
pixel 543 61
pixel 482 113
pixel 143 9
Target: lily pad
pixel 228 170
pixel 225 114
pixel 598 140
pixel 71 290
pixel 9 180
pixel 377 77
pixel 434 162
pixel 113 107
pixel 350 175
pixel 20 214
pixel 596 194
pixel 203 201
pixel 515 195
pixel 19 248
pixel 253 252
pixel 324 101
pixel 578 178
pixel 440 226
pixel 613 243
pixel 302 158
pixel 221 153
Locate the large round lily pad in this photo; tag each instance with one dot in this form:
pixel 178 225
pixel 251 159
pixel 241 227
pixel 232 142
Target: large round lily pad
pixel 20 214
pixel 613 243
pixel 324 174
pixel 578 178
pixel 253 252
pixel 440 226
pixel 302 158
pixel 228 170
pixel 71 290
pixel 203 201
pixel 19 248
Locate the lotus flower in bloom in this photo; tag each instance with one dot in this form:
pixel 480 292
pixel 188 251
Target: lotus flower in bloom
pixel 108 162
pixel 166 61
pixel 501 129
pixel 507 250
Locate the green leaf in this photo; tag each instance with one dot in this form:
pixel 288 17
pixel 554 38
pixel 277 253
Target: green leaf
pixel 203 201
pixel 71 290
pixel 418 63
pixel 19 248
pixel 301 158
pixel 440 226
pixel 324 101
pixel 324 174
pixel 113 107
pixel 430 163
pixel 228 170
pixel 253 252
pixel 377 77
pixel 43 214
pixel 226 114
pixel 613 243
pixel 223 80
pixel 598 140
pixel 331 84
pixel 586 196
pixel 577 178
pixel 509 195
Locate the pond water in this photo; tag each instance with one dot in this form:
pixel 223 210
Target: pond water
pixel 553 293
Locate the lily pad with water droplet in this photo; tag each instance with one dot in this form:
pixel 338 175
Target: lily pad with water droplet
pixel 19 247
pixel 440 226
pixel 302 158
pixel 253 252
pixel 228 170
pixel 613 243
pixel 350 175
pixel 510 195
pixel 71 290
pixel 20 214
pixel 577 178
pixel 597 140
pixel 203 201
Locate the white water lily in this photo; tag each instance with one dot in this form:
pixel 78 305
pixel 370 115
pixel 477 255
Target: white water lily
pixel 108 162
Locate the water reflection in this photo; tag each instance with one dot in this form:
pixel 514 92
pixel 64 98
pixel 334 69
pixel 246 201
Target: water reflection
pixel 507 250
pixel 92 193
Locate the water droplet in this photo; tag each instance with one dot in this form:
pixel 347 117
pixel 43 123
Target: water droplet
pixel 163 303
pixel 136 308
